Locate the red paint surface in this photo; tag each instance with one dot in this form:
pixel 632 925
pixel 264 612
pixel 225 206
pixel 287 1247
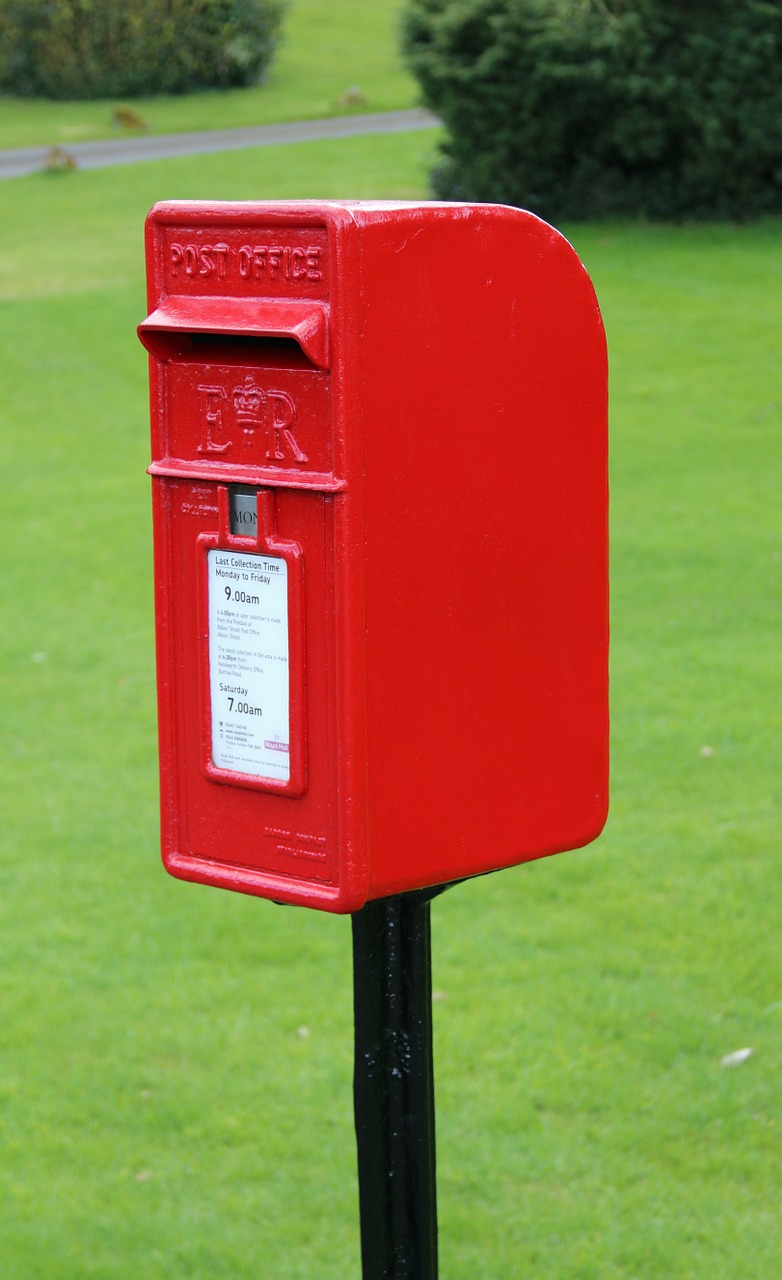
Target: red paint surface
pixel 427 423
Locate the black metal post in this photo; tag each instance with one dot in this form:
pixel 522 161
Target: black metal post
pixel 394 1088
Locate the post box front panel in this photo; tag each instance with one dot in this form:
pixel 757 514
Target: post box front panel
pixel 251 519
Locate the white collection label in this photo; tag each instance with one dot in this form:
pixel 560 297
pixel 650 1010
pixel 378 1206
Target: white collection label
pixel 248 664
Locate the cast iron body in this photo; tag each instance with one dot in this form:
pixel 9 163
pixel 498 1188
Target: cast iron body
pixel 416 396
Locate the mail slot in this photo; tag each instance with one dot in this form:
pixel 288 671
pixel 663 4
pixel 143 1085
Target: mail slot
pixel 379 506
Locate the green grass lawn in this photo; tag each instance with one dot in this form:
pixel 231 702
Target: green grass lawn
pixel 328 46
pixel 175 1061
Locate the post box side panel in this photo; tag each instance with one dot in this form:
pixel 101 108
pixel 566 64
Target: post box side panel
pixel 486 546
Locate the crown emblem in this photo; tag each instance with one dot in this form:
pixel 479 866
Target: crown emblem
pixel 248 405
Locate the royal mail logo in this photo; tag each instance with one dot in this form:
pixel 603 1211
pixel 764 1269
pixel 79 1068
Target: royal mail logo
pixel 254 414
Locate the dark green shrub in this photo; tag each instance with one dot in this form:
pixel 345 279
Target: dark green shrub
pixel 581 108
pixel 123 48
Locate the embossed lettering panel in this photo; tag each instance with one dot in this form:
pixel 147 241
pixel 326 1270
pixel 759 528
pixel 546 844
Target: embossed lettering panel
pixel 248 415
pixel 273 262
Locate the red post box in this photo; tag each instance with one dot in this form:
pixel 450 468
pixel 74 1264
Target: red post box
pixel 379 490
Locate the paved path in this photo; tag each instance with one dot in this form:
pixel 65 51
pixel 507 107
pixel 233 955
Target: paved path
pixel 98 155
